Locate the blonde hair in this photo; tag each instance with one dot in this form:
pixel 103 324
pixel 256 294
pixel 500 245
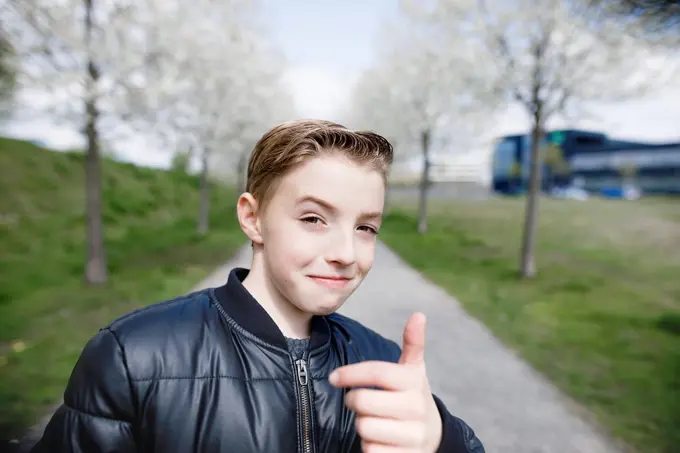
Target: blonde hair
pixel 290 143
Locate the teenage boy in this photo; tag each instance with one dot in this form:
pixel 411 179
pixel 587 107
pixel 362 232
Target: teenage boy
pixel 263 363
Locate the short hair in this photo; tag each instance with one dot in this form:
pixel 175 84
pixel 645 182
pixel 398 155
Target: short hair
pixel 288 144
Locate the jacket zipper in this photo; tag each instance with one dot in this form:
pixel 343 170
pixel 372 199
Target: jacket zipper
pixel 303 395
pixel 305 406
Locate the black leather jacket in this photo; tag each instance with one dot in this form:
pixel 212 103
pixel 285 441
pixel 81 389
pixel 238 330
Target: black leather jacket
pixel 211 372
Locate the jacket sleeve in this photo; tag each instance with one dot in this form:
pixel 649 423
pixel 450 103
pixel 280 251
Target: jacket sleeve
pixel 98 412
pixel 457 436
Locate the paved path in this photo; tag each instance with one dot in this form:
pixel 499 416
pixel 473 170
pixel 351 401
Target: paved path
pixel 512 409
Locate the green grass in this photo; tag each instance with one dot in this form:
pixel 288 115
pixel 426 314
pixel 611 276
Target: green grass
pixel 601 320
pixel 46 312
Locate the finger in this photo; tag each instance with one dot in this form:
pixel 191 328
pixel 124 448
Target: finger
pixel 398 433
pixel 413 349
pixel 384 375
pixel 380 403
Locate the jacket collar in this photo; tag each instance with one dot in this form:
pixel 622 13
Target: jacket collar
pixel 242 307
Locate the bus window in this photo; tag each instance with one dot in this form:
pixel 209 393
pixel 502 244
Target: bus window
pixel 589 140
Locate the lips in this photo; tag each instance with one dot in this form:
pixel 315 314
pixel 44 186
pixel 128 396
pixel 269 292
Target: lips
pixel 330 281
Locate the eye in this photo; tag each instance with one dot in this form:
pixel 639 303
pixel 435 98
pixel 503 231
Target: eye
pixel 311 220
pixel 369 229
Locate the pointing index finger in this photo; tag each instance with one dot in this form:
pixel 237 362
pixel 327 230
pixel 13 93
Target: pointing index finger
pixel 373 373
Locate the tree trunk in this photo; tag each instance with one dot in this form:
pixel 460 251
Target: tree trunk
pixel 204 195
pixel 424 182
pixel 527 261
pixel 95 266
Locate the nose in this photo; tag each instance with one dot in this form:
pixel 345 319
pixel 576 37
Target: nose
pixel 341 248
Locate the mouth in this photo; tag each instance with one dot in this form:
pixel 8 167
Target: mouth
pixel 330 282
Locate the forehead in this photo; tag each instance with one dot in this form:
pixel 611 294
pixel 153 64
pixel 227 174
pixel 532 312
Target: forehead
pixel 337 181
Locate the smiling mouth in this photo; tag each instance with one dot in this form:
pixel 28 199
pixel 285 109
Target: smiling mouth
pixel 330 282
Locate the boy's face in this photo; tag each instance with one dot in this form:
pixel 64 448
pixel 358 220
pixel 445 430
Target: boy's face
pixel 319 231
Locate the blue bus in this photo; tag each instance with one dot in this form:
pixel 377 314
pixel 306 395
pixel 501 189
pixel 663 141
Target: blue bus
pixel 588 160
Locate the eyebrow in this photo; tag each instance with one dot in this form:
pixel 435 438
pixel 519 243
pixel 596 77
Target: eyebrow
pixel 329 207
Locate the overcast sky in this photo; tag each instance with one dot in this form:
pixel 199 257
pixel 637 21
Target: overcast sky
pixel 328 43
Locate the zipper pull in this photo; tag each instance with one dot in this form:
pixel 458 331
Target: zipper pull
pixel 302 371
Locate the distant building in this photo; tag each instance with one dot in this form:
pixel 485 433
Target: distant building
pixel 590 160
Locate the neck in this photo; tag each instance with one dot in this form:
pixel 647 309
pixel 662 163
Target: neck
pixel 293 322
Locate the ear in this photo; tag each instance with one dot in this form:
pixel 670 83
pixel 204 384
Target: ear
pixel 248 217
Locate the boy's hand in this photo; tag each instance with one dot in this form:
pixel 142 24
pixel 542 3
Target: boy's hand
pixel 402 417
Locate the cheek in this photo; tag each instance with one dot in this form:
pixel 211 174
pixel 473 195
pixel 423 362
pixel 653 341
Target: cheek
pixel 365 254
pixel 288 244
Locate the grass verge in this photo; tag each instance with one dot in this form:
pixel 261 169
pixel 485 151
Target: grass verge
pixel 601 320
pixel 46 312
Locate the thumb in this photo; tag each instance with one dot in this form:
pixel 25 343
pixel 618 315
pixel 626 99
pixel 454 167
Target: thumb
pixel 413 349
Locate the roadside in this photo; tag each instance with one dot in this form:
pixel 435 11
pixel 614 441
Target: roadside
pixel 511 407
pixel 218 277
pixel 601 321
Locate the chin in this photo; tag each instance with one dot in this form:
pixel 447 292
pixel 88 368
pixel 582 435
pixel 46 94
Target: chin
pixel 322 309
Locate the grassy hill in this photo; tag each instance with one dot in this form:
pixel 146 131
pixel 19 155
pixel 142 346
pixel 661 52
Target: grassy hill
pixel 46 312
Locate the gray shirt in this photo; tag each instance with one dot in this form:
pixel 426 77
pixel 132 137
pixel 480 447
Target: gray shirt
pixel 298 347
